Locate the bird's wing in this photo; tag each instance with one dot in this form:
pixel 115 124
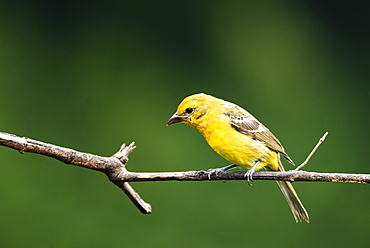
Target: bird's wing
pixel 245 123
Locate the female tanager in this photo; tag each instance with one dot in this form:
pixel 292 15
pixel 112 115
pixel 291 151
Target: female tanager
pixel 238 137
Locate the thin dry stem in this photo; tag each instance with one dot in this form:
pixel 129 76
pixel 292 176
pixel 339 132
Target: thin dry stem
pixel 312 152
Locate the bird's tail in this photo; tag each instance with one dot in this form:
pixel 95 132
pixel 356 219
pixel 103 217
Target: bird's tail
pixel 292 198
pixel 295 204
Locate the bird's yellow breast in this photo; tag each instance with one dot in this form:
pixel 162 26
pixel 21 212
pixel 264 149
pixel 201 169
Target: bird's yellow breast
pixel 235 146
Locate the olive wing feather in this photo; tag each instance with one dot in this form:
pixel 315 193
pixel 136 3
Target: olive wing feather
pixel 245 123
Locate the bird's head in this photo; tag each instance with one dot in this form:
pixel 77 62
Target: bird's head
pixel 193 109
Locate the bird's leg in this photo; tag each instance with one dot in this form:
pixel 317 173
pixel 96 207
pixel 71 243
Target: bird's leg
pixel 249 174
pixel 231 166
pixel 222 169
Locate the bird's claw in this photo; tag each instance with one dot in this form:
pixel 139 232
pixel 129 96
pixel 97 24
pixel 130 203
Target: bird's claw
pixel 249 174
pixel 218 170
pixel 249 177
pixel 214 171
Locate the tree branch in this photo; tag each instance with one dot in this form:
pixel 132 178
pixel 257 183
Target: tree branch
pixel 115 168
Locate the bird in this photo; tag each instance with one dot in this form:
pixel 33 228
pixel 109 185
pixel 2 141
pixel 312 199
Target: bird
pixel 240 138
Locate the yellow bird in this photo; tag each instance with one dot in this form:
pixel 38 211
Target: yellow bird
pixel 238 137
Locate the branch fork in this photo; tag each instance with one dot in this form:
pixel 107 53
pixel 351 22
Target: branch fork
pixel 120 172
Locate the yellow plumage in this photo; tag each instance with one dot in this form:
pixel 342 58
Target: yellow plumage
pixel 238 137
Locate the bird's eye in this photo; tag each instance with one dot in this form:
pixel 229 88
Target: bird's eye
pixel 189 110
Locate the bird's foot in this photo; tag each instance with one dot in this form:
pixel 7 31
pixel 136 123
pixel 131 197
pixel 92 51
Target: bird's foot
pixel 249 174
pixel 249 177
pixel 218 170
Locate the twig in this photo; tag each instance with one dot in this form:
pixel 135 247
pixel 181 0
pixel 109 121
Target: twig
pixel 144 207
pixel 312 152
pixel 115 168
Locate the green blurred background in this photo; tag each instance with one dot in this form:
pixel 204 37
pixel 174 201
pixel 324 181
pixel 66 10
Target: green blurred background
pixel 91 75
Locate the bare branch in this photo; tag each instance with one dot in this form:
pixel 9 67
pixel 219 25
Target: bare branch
pixel 115 168
pixel 66 155
pixel 292 176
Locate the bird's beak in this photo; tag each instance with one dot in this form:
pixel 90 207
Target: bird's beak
pixel 176 118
